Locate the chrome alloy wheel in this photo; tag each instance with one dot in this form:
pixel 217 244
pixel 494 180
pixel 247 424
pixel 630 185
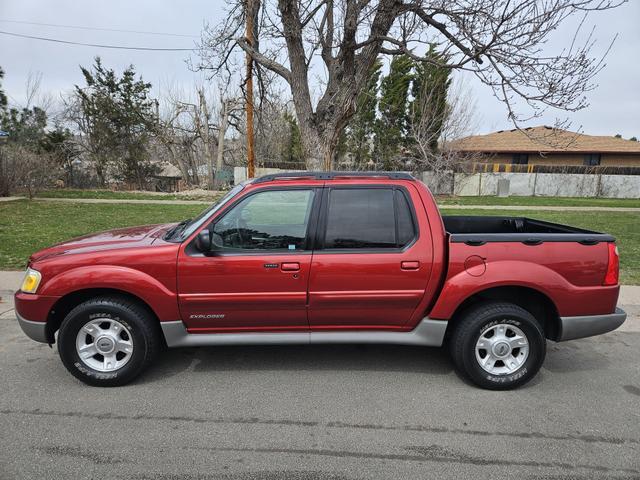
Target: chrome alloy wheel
pixel 104 344
pixel 502 349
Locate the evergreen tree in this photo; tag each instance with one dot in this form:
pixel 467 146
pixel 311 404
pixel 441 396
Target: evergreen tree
pixel 118 117
pixel 292 150
pixel 392 124
pixel 3 96
pixel 25 126
pixel 58 143
pixel 357 138
pixel 429 107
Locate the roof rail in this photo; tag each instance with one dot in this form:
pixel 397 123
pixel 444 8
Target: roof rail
pixel 333 175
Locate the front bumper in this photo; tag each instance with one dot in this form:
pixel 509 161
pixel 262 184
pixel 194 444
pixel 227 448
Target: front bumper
pixel 588 326
pixel 34 330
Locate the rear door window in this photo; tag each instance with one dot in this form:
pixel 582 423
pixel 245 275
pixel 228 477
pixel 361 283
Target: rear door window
pixel 368 218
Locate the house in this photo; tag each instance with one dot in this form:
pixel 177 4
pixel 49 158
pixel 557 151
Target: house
pixel 167 179
pixel 550 146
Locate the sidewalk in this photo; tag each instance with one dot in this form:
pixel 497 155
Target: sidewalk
pixel 128 200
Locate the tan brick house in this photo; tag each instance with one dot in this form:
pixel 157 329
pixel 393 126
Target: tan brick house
pixel 550 146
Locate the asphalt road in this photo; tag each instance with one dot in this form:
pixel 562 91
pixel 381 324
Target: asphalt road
pixel 325 412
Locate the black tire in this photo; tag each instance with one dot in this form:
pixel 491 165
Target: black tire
pixel 475 322
pixel 138 321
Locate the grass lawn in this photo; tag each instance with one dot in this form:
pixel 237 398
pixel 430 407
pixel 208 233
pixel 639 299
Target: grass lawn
pixel 541 201
pixel 28 226
pixel 122 195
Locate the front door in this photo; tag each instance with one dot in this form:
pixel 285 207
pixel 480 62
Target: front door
pixel 372 265
pixel 257 279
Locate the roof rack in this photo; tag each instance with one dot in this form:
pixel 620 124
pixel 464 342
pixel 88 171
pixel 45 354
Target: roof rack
pixel 332 175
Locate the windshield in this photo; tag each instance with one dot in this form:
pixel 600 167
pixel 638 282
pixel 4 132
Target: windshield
pixel 187 227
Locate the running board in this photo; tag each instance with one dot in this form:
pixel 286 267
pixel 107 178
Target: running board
pixel 428 333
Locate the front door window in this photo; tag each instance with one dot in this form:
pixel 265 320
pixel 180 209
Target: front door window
pixel 274 220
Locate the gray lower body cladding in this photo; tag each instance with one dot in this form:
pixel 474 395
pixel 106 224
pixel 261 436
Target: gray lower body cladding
pixel 427 333
pixel 588 326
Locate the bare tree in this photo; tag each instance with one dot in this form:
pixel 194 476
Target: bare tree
pixel 169 135
pixel 500 41
pixel 194 125
pixel 229 108
pixel 26 171
pixel 433 133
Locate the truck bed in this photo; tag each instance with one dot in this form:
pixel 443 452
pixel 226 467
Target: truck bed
pixel 477 230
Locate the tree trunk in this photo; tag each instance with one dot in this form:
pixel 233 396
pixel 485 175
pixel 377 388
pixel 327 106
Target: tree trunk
pixel 205 134
pixel 4 183
pixel 100 174
pixel 220 154
pixel 319 147
pixel 181 165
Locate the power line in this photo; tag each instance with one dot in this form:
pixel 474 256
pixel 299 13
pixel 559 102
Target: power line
pixel 80 27
pixel 118 47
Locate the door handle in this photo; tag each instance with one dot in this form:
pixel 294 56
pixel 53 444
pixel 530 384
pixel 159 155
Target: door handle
pixel 290 267
pixel 410 265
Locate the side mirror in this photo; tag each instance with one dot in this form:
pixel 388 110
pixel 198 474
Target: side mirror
pixel 203 240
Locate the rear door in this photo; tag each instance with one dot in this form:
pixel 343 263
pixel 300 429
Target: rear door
pixel 372 263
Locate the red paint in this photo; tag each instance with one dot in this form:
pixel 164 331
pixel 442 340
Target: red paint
pixel 321 290
pixel 243 290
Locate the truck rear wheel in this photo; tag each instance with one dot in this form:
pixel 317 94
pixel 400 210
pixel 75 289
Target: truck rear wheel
pixel 108 341
pixel 498 345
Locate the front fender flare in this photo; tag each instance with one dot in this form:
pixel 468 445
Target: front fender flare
pixel 157 296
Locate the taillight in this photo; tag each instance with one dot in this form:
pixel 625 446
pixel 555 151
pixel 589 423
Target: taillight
pixel 613 266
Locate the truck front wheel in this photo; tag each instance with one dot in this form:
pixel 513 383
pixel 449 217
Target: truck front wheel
pixel 498 346
pixel 108 341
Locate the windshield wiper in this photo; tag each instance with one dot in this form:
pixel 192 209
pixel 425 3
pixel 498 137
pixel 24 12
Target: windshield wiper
pixel 178 228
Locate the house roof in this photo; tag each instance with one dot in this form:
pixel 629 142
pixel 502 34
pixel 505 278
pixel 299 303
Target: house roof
pixel 168 170
pixel 545 140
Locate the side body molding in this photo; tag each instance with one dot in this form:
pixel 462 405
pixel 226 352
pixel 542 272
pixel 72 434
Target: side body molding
pixel 427 333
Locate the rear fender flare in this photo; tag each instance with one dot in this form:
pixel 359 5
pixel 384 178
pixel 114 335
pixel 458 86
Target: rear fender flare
pixel 499 274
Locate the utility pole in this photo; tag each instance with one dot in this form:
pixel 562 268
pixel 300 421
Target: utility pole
pixel 249 85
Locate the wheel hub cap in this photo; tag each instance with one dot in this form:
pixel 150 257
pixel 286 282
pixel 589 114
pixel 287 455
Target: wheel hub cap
pixel 104 344
pixel 502 349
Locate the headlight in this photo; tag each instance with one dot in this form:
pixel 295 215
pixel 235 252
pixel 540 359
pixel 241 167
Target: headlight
pixel 31 281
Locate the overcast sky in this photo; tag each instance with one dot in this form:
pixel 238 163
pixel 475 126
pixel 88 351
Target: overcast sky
pixel 615 104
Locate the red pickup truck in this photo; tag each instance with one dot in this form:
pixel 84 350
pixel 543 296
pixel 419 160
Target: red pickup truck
pixel 305 258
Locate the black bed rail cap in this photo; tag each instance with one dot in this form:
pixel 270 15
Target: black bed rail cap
pixel 333 175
